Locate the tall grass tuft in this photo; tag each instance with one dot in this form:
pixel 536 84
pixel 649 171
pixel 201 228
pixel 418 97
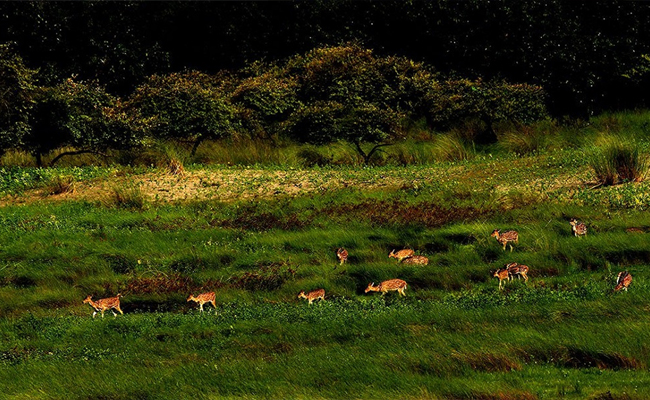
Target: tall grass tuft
pixel 619 161
pixel 451 147
pixel 524 140
pixel 126 197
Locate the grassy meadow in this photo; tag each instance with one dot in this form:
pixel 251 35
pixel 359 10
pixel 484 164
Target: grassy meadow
pixel 257 233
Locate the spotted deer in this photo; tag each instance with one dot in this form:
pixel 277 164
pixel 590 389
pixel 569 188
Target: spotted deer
pixel 386 286
pixel 578 228
pixel 318 294
pixel 502 274
pixel 623 281
pixel 416 260
pixel 203 298
pixel 342 255
pixel 401 255
pixel 505 237
pixel 101 305
pixel 518 270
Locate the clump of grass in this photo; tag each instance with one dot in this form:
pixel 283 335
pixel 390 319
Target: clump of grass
pixel 451 147
pixel 60 184
pixel 618 161
pixel 127 197
pixel 523 140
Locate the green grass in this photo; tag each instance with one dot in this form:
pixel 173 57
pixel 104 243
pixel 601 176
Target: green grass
pixel 564 334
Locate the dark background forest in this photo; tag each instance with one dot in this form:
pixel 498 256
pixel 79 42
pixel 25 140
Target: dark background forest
pixel 588 56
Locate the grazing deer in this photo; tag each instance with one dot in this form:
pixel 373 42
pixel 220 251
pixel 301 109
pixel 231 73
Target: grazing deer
pixel 342 255
pixel 502 274
pixel 416 260
pixel 578 228
pixel 102 305
pixel 505 237
pixel 623 281
pixel 401 255
pixel 203 298
pixel 518 270
pixel 318 294
pixel 386 286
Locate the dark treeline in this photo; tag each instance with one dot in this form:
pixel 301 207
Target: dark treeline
pixel 588 56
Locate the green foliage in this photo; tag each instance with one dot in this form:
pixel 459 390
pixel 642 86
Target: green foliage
pixel 188 106
pixel 16 97
pixel 266 100
pixel 80 115
pixel 453 102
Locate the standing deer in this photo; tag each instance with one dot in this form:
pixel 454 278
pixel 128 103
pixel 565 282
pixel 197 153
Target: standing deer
pixel 342 255
pixel 401 255
pixel 578 228
pixel 623 281
pixel 102 305
pixel 203 298
pixel 502 274
pixel 386 286
pixel 318 294
pixel 505 237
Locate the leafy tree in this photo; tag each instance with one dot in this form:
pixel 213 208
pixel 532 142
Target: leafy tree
pixel 451 102
pixel 266 99
pixel 83 116
pixel 16 97
pixel 185 106
pixel 365 126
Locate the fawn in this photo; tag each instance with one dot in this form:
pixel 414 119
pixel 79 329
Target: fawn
pixel 386 286
pixel 204 298
pixel 578 228
pixel 342 255
pixel 517 269
pixel 502 274
pixel 401 255
pixel 505 237
pixel 416 260
pixel 102 305
pixel 623 281
pixel 318 294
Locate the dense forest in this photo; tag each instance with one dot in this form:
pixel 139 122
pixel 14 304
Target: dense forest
pixel 284 68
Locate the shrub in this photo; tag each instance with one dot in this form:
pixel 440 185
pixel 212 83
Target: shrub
pixel 618 162
pixel 61 184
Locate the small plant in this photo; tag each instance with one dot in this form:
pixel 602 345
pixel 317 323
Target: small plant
pixel 620 162
pixel 60 184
